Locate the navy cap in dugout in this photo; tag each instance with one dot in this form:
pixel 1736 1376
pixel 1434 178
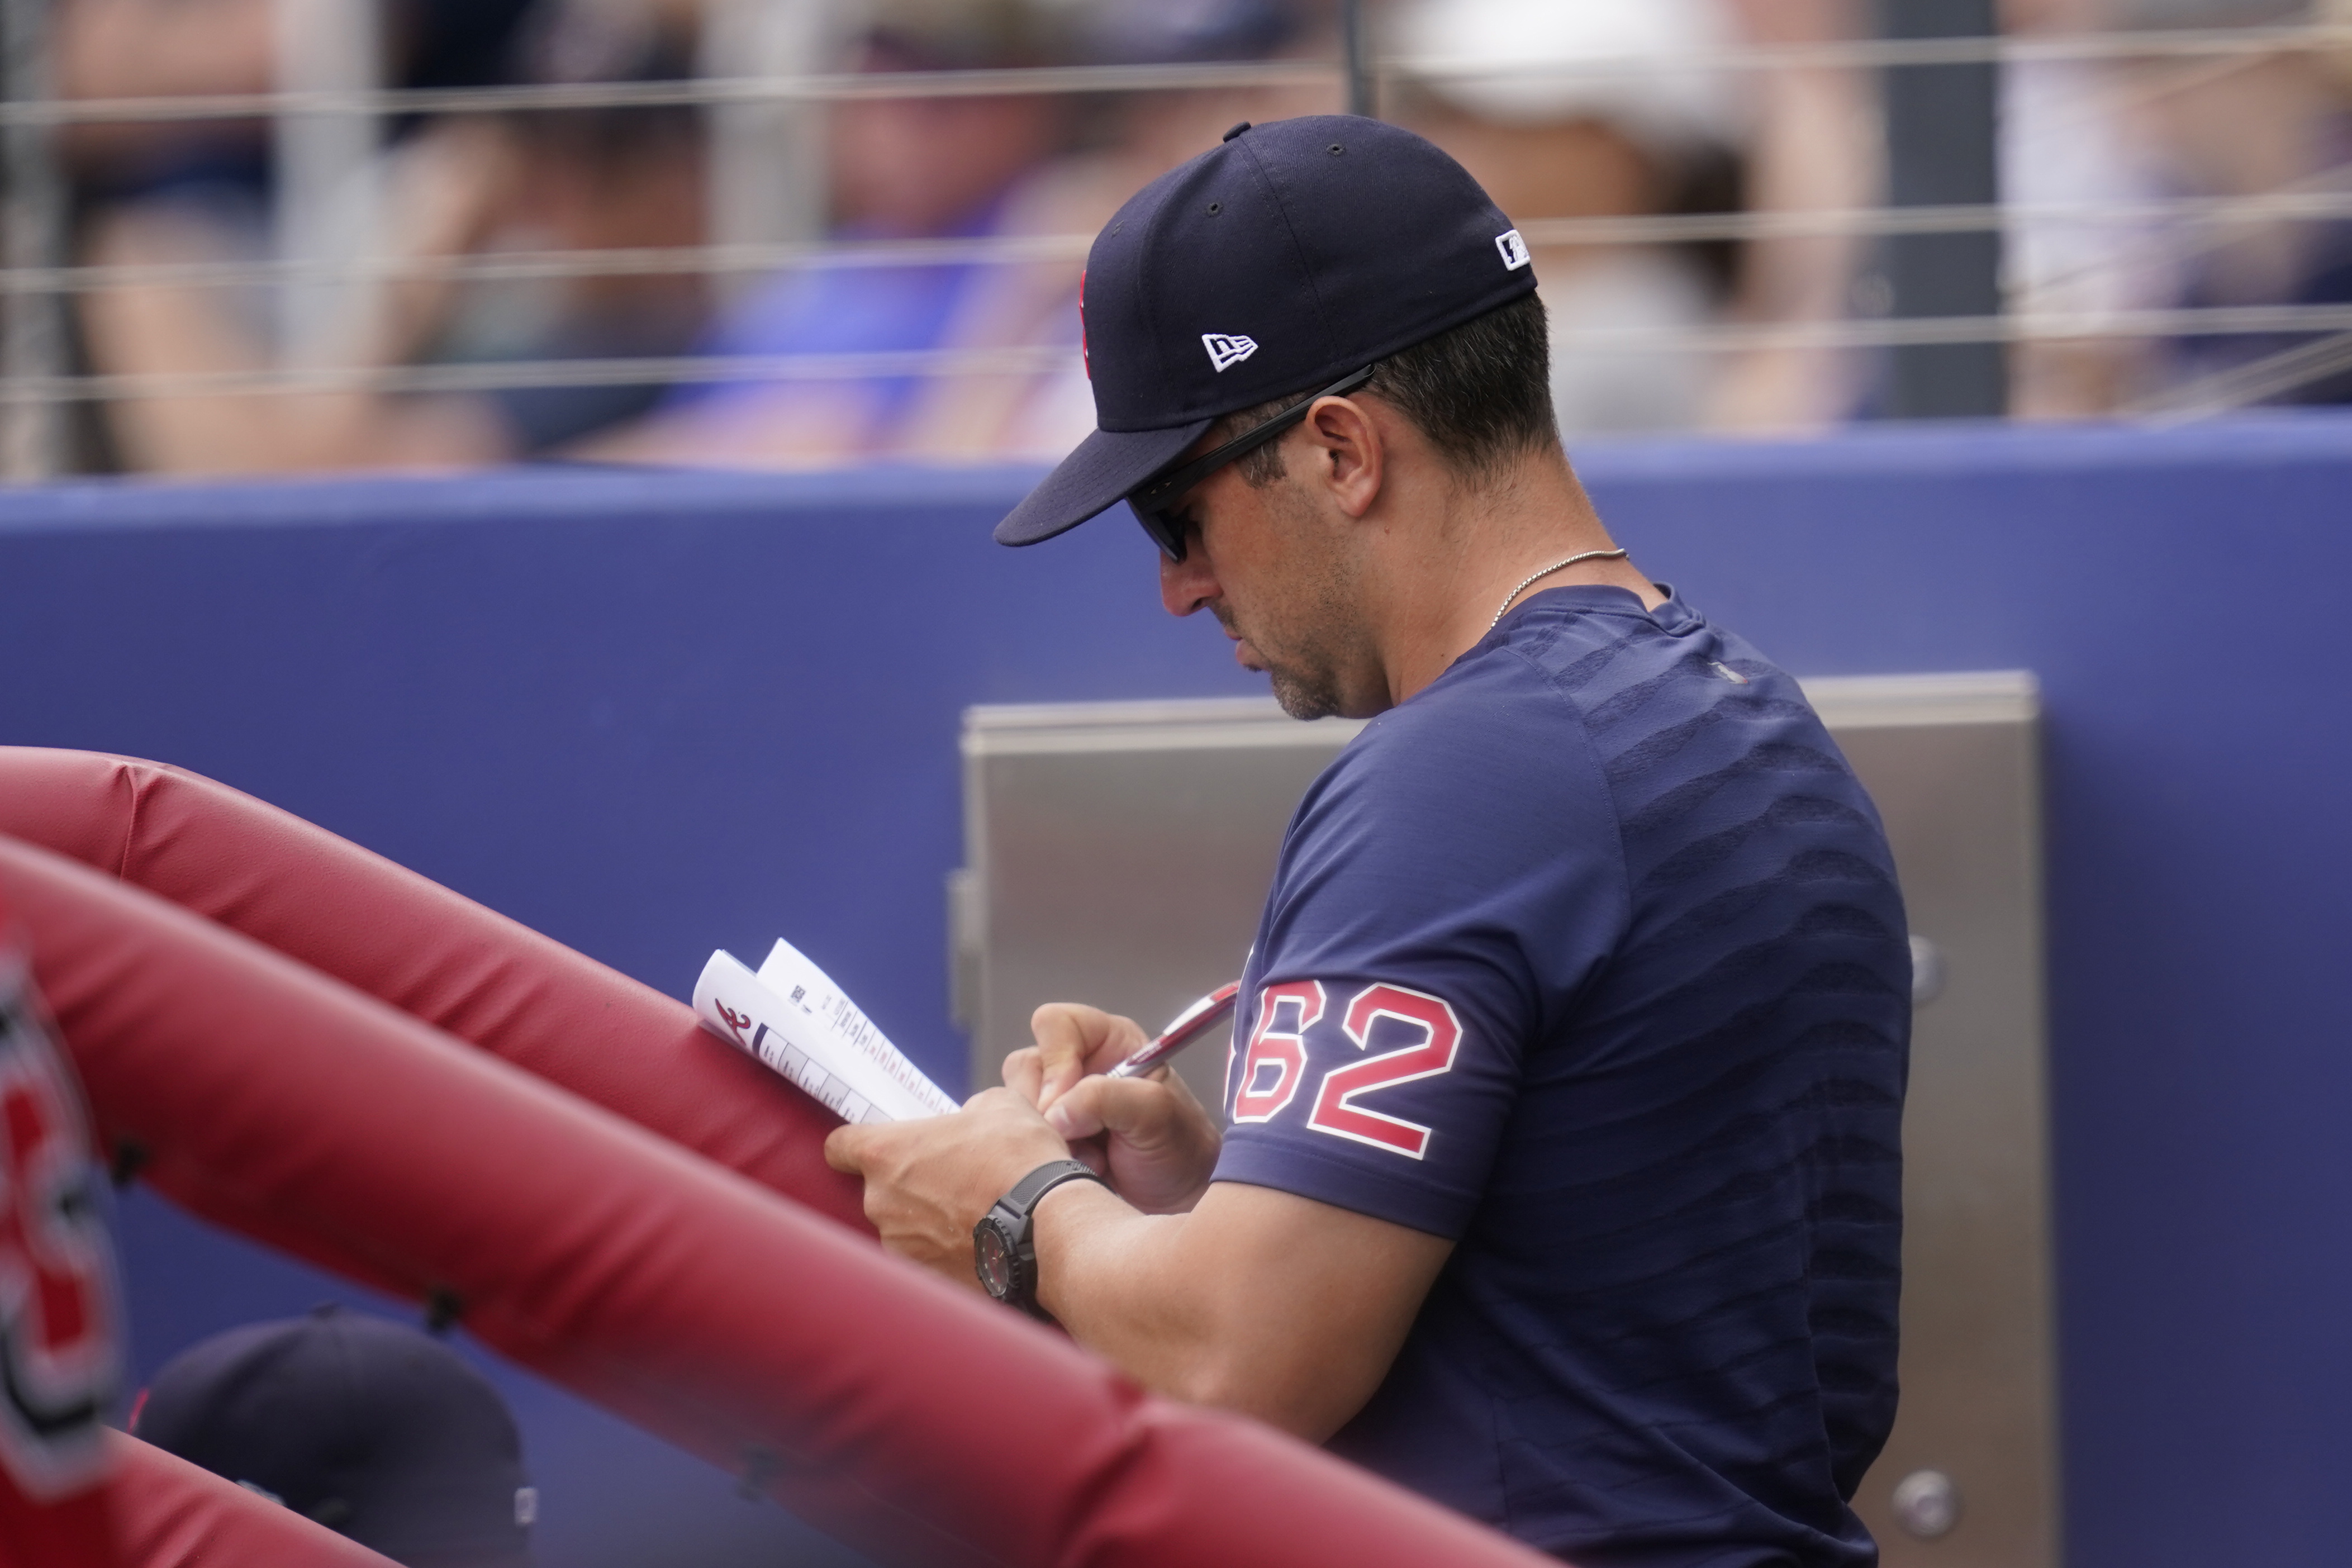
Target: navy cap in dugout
pixel 370 1427
pixel 1287 259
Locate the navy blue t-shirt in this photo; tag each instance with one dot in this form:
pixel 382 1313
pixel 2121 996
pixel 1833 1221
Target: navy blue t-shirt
pixel 1590 957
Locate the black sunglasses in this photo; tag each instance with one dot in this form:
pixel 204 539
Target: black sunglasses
pixel 1152 498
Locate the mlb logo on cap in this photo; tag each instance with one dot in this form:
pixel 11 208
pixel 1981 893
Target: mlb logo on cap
pixel 1296 254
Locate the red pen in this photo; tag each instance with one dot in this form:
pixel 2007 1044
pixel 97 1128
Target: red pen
pixel 1189 1026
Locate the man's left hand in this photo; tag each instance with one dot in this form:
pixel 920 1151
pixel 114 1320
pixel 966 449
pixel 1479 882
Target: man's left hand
pixel 928 1183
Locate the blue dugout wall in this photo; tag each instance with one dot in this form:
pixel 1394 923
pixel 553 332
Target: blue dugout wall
pixel 651 713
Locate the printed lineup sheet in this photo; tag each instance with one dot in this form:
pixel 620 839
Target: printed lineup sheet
pixel 792 1016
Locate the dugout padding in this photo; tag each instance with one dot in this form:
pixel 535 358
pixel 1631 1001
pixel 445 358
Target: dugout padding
pixel 908 1415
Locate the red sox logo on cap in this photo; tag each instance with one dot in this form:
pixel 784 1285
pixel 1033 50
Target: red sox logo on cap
pixel 58 1361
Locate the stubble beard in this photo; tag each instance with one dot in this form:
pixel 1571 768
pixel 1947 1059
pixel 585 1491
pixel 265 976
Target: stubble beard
pixel 1302 698
pixel 1301 655
pixel 1304 693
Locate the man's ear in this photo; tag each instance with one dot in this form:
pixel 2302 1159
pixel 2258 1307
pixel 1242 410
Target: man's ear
pixel 1350 453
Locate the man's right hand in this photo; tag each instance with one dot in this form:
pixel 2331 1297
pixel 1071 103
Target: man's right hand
pixel 1242 1297
pixel 1148 1135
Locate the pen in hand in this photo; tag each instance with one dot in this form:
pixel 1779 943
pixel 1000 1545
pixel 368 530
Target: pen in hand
pixel 1188 1025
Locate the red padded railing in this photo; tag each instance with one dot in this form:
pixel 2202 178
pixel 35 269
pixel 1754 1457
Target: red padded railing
pixel 903 1412
pixel 383 929
pixel 165 1512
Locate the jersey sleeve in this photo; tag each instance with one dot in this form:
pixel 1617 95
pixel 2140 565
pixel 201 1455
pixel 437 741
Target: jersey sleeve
pixel 1445 890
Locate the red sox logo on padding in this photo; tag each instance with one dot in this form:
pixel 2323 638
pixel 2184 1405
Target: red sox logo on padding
pixel 1274 1065
pixel 59 1357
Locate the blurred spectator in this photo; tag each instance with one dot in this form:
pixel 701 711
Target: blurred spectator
pixel 2084 136
pixel 1040 414
pixel 2277 123
pixel 1814 147
pixel 1027 167
pixel 1596 110
pixel 369 1427
pixel 217 174
pixel 900 169
pixel 1651 132
pixel 569 180
pixel 172 48
pixel 2067 145
pixel 592 180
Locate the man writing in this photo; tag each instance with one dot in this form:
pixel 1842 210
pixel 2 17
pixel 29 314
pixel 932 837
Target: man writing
pixel 1562 1178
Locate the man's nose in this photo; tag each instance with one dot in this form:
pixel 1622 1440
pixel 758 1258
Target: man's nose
pixel 1188 584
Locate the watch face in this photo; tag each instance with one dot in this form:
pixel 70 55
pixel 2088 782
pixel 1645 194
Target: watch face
pixel 993 1259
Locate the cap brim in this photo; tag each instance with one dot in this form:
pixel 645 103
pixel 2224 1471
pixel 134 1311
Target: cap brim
pixel 1105 467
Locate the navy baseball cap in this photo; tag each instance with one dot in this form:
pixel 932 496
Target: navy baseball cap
pixel 371 1427
pixel 1290 257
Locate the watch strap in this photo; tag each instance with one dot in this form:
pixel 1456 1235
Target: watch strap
pixel 1030 1188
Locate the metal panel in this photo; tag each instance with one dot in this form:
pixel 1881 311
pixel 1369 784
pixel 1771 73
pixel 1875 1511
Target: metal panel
pixel 1119 854
pixel 1953 763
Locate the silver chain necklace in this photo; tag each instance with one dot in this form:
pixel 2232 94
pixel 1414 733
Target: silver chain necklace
pixel 1555 566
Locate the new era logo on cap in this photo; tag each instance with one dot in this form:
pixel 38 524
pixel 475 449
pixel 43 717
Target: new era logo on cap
pixel 1227 348
pixel 1514 250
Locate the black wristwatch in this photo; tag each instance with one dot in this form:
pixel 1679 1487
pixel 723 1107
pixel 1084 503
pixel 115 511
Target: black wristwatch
pixel 1002 1250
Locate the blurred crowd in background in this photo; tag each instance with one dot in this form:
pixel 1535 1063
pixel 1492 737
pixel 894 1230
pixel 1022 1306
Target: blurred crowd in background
pixel 788 279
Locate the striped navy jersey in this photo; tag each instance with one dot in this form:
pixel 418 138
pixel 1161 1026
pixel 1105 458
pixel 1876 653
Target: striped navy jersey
pixel 1590 957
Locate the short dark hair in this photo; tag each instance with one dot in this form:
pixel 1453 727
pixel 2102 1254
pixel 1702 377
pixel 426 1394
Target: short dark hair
pixel 1481 392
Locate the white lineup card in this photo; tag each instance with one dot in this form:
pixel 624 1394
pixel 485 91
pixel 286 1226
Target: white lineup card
pixel 794 1018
